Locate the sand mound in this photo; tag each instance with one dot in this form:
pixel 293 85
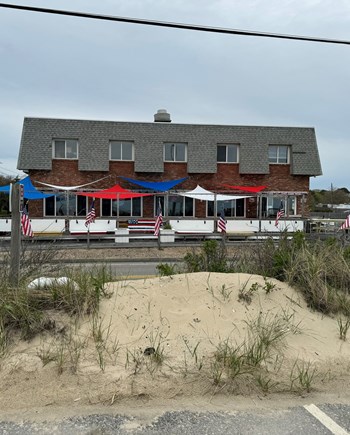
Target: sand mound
pixel 157 339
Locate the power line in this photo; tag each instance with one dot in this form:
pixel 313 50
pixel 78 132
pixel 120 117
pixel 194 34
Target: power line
pixel 175 25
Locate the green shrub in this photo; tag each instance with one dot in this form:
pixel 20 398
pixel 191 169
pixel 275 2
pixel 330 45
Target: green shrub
pixel 211 258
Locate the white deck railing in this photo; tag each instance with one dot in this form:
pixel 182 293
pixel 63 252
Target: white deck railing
pixel 180 226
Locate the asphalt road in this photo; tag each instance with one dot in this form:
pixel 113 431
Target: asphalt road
pixel 309 420
pixel 128 269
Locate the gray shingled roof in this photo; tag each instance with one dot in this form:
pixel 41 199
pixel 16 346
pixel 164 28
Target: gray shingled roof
pixel 94 137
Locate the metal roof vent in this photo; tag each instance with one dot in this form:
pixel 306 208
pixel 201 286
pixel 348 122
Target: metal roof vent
pixel 162 116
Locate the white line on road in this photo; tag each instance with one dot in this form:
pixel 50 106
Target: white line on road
pixel 325 420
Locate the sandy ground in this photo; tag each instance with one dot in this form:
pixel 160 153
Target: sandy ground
pixel 103 362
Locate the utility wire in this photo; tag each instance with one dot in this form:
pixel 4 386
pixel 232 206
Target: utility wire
pixel 174 25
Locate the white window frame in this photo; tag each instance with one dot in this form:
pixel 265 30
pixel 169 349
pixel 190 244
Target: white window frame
pixel 175 144
pixel 278 154
pixel 227 145
pixel 65 149
pixel 122 143
pixel 290 205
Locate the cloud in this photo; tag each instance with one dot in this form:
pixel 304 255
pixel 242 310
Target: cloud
pixel 67 67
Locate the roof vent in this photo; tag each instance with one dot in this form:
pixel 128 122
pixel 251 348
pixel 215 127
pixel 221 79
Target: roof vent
pixel 162 116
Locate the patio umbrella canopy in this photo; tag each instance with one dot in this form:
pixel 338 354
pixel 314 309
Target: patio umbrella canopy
pixel 206 195
pixel 29 191
pixel 114 192
pixel 159 186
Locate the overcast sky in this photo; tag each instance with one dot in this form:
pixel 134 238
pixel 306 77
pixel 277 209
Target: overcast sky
pixel 66 67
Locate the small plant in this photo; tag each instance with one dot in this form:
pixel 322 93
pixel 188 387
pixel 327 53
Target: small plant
pixel 225 292
pixel 135 359
pixel 232 359
pixel 3 340
pixel 167 226
pixel 46 354
pixel 343 325
pixel 268 286
pixel 166 269
pixel 157 345
pixel 217 371
pixel 246 294
pixel 302 375
pixel 265 383
pixel 194 354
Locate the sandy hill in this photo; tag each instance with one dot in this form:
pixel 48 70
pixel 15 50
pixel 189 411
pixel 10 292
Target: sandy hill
pixel 202 336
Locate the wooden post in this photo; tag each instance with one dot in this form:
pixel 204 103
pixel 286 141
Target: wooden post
pixel 15 235
pixel 88 237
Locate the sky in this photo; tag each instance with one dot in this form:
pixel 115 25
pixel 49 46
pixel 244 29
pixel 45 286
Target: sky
pixel 65 67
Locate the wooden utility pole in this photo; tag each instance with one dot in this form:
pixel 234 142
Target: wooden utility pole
pixel 15 234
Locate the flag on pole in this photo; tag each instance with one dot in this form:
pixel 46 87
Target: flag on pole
pixel 25 222
pixel 90 217
pixel 280 214
pixel 346 224
pixel 222 222
pixel 159 219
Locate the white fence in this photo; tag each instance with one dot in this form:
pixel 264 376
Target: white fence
pixel 244 227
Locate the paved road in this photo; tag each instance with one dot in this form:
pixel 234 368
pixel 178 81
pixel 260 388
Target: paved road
pixel 309 420
pixel 127 269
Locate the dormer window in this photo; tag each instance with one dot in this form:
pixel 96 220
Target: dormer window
pixel 279 154
pixel 121 150
pixel 65 149
pixel 227 153
pixel 175 152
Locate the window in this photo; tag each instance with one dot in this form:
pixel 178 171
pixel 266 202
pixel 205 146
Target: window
pixel 175 206
pixel 175 152
pixel 279 154
pixel 127 207
pixel 227 153
pixel 232 208
pixel 65 204
pixel 272 204
pixel 65 149
pixel 121 150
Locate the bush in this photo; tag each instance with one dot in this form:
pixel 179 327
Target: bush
pixel 211 258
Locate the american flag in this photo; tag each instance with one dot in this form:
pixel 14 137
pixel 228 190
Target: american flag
pixel 90 217
pixel 159 219
pixel 280 214
pixel 222 222
pixel 25 223
pixel 346 224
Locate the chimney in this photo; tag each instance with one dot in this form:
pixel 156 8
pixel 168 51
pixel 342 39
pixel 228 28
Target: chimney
pixel 162 116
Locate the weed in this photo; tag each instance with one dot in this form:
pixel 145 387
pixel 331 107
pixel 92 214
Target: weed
pixel 265 383
pixel 302 375
pixel 217 371
pixel 232 359
pixel 246 294
pixel 135 359
pixel 4 340
pixel 225 292
pixel 211 258
pixel 343 325
pixel 193 353
pixel 268 286
pixel 157 343
pixel 47 354
pixel 166 269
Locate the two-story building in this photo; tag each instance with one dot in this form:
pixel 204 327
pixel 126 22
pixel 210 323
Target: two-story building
pixel 68 152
